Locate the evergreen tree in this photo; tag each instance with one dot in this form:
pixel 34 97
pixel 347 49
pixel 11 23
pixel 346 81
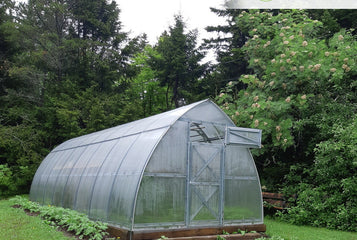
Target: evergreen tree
pixel 179 69
pixel 231 62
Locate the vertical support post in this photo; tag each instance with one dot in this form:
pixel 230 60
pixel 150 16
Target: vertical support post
pixel 222 169
pixel 188 166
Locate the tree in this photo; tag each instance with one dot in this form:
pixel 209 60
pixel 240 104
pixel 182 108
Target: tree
pixel 301 86
pixel 231 62
pixel 179 69
pixel 64 67
pixel 331 199
pixel 146 87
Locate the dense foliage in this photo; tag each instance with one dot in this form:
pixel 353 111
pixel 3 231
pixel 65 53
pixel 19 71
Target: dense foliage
pixel 67 69
pixel 302 94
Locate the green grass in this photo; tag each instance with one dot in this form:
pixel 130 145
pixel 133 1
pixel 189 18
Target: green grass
pixel 293 232
pixel 16 224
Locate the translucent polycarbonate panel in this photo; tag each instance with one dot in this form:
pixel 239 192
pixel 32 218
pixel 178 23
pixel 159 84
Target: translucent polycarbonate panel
pixel 45 178
pixel 204 203
pixel 64 172
pixel 247 137
pixel 104 180
pixel 127 179
pixel 122 131
pixel 239 162
pixel 122 198
pixel 242 198
pixel 208 112
pixel 205 163
pixel 207 132
pixel 85 188
pixel 40 178
pixel 54 172
pixel 141 125
pixel 169 117
pixel 74 177
pixel 205 183
pixel 170 154
pixel 71 143
pixel 161 199
pixel 242 201
pixel 114 133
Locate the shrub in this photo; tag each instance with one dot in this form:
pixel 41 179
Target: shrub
pixel 332 200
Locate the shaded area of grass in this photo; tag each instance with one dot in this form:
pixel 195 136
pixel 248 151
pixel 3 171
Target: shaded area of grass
pixel 293 232
pixel 15 224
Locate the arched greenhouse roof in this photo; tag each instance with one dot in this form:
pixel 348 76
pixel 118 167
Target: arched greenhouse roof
pixel 100 173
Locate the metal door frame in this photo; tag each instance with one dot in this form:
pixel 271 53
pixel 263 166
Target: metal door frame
pixel 191 177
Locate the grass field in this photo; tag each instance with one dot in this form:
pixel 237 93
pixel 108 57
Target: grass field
pixel 292 232
pixel 15 224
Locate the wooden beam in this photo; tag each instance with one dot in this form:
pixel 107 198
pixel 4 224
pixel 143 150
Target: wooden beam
pixel 184 232
pixel 247 236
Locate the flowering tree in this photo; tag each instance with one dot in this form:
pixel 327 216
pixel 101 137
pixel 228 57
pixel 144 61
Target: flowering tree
pixel 302 84
pixel 296 73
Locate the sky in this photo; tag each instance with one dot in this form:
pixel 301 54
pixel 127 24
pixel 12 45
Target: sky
pixel 155 16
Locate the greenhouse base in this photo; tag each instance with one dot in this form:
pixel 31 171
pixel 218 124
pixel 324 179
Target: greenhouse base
pixel 189 233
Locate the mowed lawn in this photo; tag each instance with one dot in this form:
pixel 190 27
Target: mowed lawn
pixel 293 232
pixel 16 224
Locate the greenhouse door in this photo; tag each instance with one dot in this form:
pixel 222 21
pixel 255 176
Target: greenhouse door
pixel 205 184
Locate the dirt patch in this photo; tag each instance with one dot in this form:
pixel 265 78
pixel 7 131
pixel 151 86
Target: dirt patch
pixel 28 212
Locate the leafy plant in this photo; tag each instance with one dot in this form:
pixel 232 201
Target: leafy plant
pixel 301 85
pixel 79 223
pixel 219 237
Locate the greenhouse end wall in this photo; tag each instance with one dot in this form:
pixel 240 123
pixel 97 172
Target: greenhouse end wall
pixel 187 167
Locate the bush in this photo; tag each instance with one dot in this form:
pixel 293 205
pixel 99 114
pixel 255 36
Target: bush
pixel 301 85
pixel 332 200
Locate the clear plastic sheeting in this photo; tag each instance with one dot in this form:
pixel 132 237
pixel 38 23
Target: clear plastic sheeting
pixel 175 169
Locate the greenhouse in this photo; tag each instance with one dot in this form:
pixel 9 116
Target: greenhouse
pixel 185 168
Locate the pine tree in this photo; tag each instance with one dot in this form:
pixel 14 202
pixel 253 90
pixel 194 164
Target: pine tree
pixel 227 46
pixel 179 67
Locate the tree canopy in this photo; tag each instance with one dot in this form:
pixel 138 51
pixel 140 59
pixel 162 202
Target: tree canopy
pixel 67 68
